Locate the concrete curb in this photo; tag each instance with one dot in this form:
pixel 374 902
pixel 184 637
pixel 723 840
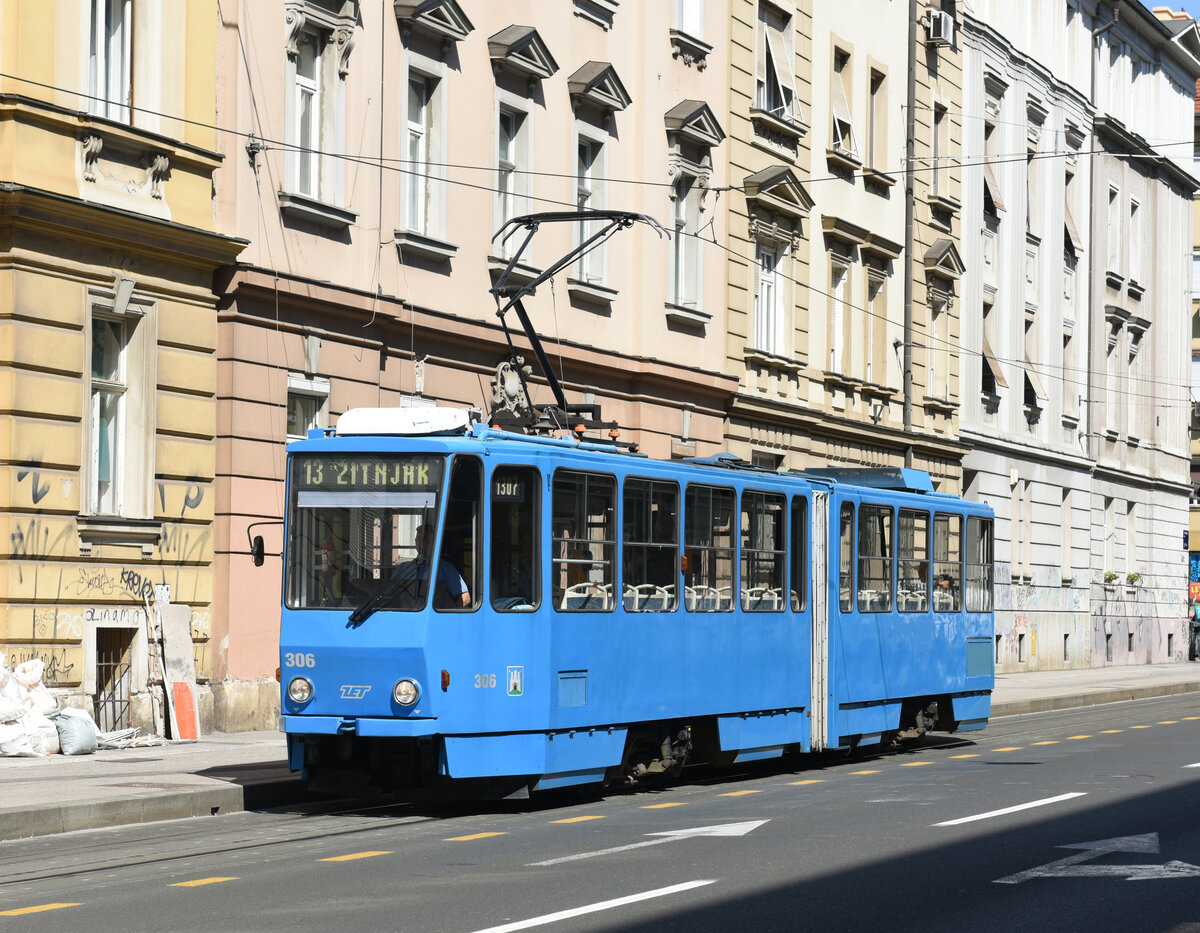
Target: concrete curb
pixel 1096 698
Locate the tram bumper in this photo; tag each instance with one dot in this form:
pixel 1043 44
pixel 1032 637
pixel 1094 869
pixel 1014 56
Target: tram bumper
pixel 366 726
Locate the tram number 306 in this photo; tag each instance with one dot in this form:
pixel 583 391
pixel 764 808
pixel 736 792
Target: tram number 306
pixel 485 681
pixel 291 659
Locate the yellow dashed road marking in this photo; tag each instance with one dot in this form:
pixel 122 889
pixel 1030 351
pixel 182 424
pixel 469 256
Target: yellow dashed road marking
pixel 1168 722
pixel 739 793
pixel 864 772
pixel 1009 748
pixel 965 756
pixel 199 882
pixel 1051 742
pixel 352 856
pixel 914 764
pixel 1191 717
pixel 35 910
pixel 809 781
pixel 661 806
pixel 1141 727
pixel 1072 738
pixel 473 837
pixel 578 819
pixel 1110 731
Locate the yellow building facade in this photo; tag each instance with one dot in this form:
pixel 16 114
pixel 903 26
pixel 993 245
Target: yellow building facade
pixel 108 247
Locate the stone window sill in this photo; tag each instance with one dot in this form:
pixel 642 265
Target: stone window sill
pixel 310 210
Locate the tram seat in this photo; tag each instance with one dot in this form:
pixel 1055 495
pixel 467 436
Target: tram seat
pixel 646 597
pixel 943 602
pixel 762 598
pixel 586 596
pixel 724 598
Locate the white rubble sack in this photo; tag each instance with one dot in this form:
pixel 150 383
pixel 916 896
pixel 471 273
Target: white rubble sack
pixel 77 732
pixel 28 676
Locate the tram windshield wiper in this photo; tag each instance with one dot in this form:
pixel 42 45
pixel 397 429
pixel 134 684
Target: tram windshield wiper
pixel 369 608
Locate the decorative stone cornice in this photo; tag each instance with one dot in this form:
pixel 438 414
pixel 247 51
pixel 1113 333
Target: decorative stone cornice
pixel 695 122
pixel 336 18
pixel 597 83
pixel 521 50
pixel 442 18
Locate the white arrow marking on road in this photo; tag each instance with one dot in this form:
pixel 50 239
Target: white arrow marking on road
pixel 672 835
pixel 1071 867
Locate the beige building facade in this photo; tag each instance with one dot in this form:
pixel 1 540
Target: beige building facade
pixel 370 199
pixel 817 248
pixel 108 246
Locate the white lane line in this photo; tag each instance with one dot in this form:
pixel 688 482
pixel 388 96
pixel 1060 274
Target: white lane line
pixel 1196 765
pixel 594 908
pixel 1021 806
pixel 612 851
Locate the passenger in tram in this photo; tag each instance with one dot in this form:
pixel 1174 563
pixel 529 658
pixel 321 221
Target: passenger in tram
pixel 450 590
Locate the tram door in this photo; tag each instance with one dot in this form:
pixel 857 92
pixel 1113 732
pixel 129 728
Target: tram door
pixel 819 692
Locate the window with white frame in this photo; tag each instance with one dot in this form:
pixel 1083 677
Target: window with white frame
pixel 775 79
pixel 941 152
pixel 689 17
pixel 768 303
pixel 839 274
pixel 843 139
pixel 307 405
pixel 875 326
pixel 1110 533
pixel 307 113
pixel 939 350
pixel 1130 537
pixel 1135 241
pixel 420 154
pixel 1067 520
pixel 118 463
pixel 109 59
pixel 685 242
pixel 877 122
pixel 1114 228
pixel 589 196
pixel 512 157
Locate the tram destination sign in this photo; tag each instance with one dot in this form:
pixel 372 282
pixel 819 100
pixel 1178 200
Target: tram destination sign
pixel 366 473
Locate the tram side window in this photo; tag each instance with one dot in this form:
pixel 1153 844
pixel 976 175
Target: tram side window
pixel 763 541
pixel 846 559
pixel 874 558
pixel 709 549
pixel 979 564
pixel 584 517
pixel 947 563
pixel 650 546
pixel 913 556
pixel 459 572
pixel 799 553
pixel 516 584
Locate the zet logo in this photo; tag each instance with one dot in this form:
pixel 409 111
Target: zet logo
pixel 354 691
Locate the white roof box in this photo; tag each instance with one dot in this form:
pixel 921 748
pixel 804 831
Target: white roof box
pixel 403 421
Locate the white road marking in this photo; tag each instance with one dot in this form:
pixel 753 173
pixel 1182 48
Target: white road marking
pixel 1196 765
pixel 595 908
pixel 1006 810
pixel 1071 867
pixel 671 835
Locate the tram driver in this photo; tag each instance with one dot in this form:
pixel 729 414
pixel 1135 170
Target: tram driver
pixel 450 590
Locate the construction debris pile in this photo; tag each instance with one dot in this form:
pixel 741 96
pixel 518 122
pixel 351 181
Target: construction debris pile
pixel 31 724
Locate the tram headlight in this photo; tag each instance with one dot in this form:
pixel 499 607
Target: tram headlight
pixel 300 690
pixel 406 692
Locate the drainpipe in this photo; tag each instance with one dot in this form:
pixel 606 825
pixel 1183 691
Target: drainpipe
pixel 909 129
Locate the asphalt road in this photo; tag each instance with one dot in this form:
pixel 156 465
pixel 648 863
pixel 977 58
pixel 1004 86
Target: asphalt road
pixel 1083 820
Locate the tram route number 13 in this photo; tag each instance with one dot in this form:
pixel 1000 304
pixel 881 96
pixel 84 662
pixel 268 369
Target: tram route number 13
pixel 485 681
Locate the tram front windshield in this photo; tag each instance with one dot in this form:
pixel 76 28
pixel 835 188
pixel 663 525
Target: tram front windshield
pixel 361 528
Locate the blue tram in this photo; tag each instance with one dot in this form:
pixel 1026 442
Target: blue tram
pixel 470 607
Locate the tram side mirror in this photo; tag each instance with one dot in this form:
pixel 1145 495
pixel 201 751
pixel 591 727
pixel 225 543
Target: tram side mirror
pixel 256 550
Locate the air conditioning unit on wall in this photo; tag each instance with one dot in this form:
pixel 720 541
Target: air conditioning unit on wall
pixel 940 28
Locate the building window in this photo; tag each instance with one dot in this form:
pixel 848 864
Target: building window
pixel 109 345
pixel 939 350
pixel 308 114
pixel 685 243
pixel 877 123
pixel 1130 537
pixel 941 152
pixel 109 59
pixel 689 17
pixel 875 325
pixel 119 459
pixel 420 138
pixel 1135 242
pixel 993 202
pixel 768 306
pixel 1067 521
pixel 1110 532
pixel 589 196
pixel 307 405
pixel 775 81
pixel 1114 229
pixel 512 165
pixel 843 125
pixel 838 275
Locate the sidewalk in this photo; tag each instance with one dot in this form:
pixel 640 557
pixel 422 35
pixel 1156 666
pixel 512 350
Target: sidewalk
pixel 228 772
